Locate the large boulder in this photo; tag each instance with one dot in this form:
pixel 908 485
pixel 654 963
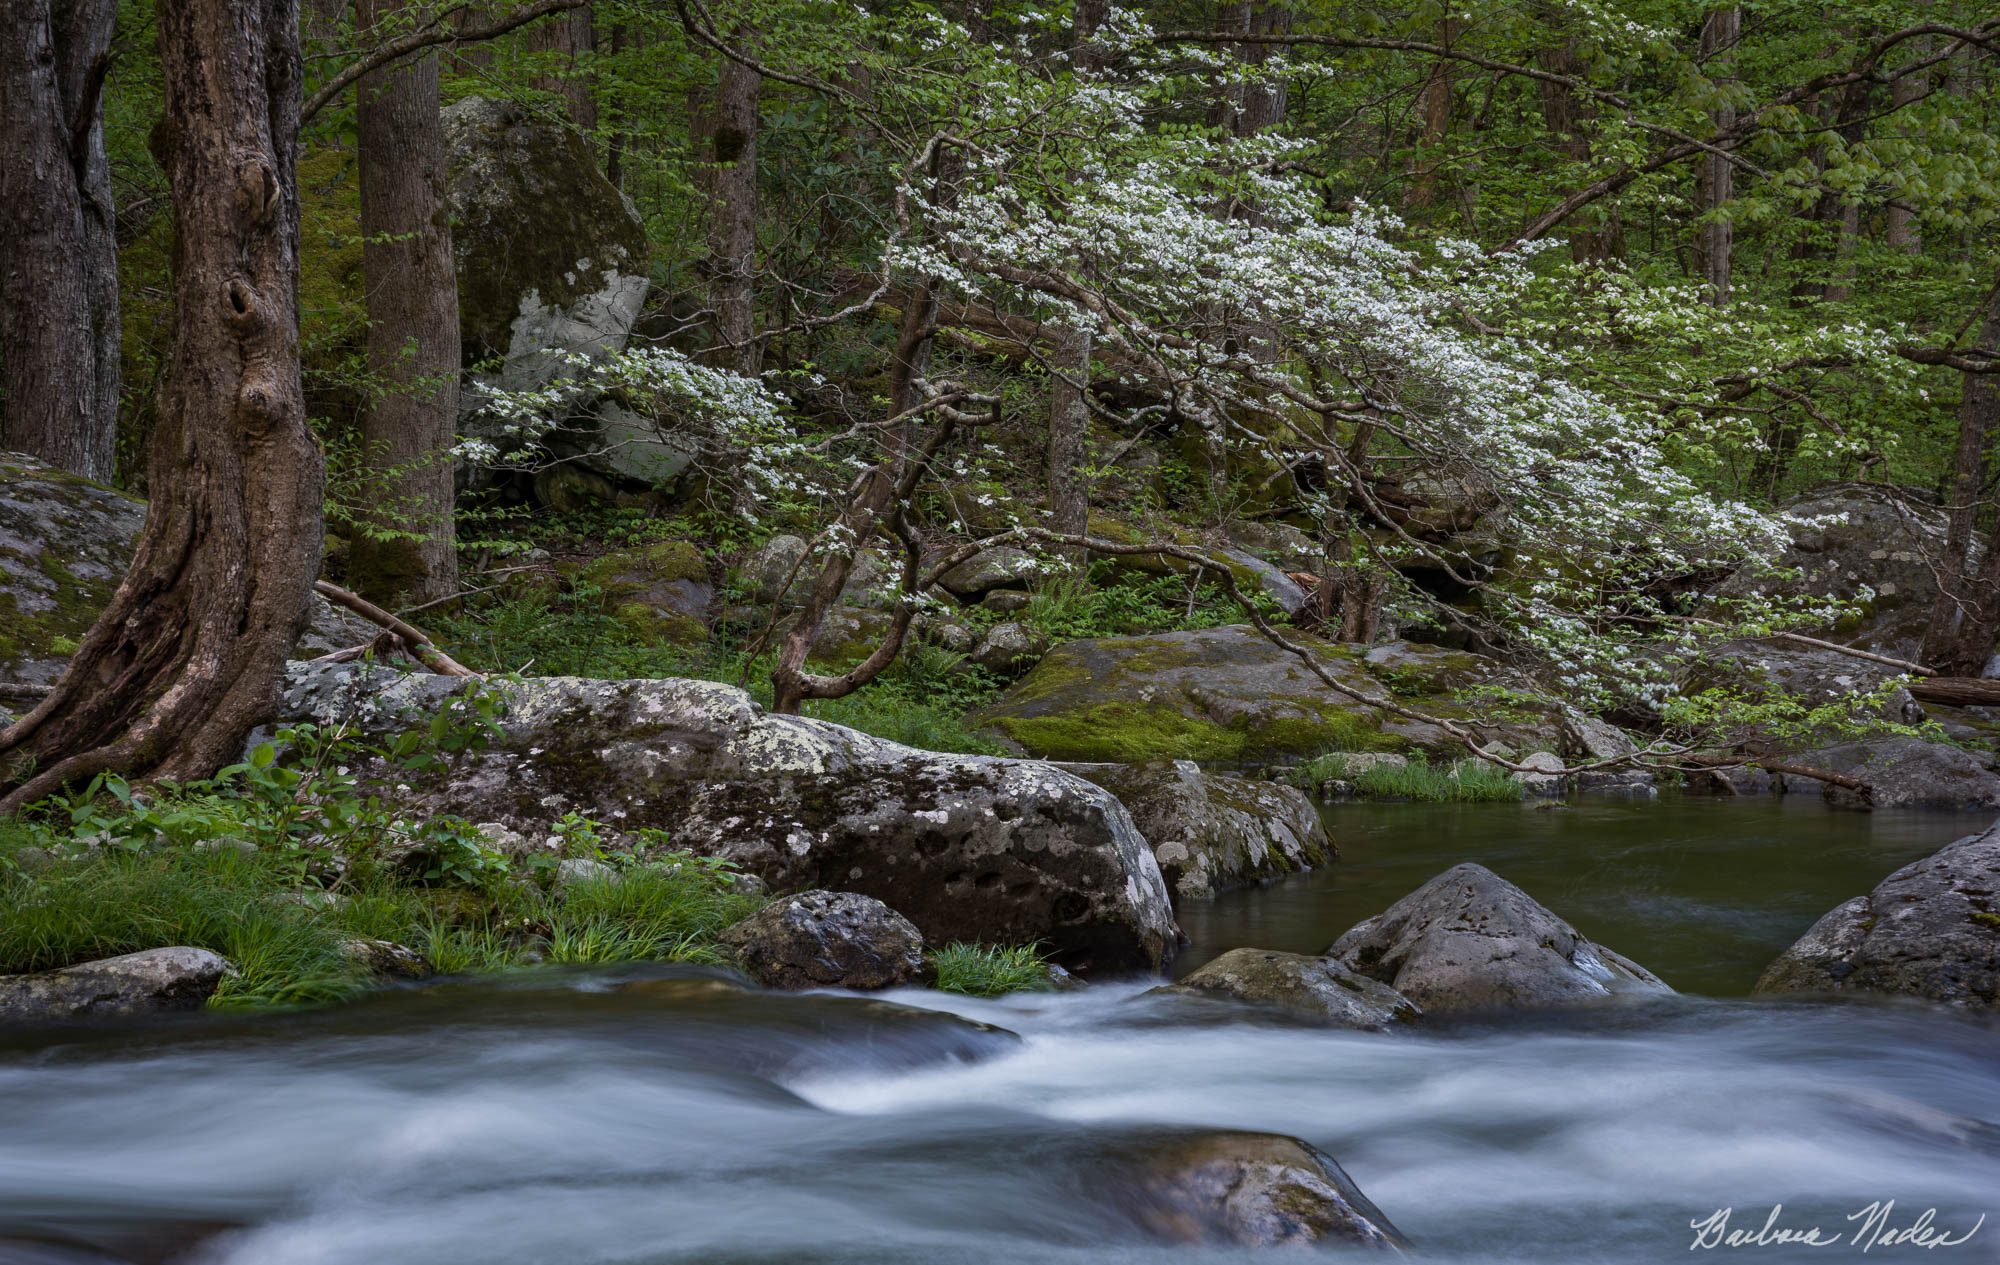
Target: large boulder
pixel 552 264
pixel 1906 773
pixel 823 939
pixel 1930 930
pixel 1225 694
pixel 64 545
pixel 660 592
pixel 1250 1190
pixel 1001 567
pixel 1470 941
pixel 1210 831
pixel 1859 542
pixel 967 847
pixel 1318 990
pixel 157 980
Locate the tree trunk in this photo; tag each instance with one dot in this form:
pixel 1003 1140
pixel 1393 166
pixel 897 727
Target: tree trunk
pixel 1714 175
pixel 1966 616
pixel 187 656
pixel 1568 117
pixel 1437 121
pixel 1069 429
pixel 565 40
pixel 58 255
pixel 403 550
pixel 732 235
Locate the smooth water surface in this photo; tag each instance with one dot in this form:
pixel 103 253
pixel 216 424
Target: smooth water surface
pixel 1703 891
pixel 651 1116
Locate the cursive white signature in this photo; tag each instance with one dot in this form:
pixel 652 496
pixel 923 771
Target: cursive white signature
pixel 1876 1228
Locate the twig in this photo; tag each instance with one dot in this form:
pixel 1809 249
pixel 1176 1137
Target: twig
pixel 413 638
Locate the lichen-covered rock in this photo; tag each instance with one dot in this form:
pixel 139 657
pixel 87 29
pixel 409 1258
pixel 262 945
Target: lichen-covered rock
pixel 1209 831
pixel 821 939
pixel 154 981
pixel 778 573
pixel 1319 990
pixel 968 847
pixel 387 958
pixel 1282 589
pixel 1469 940
pixel 1858 542
pixel 1250 1190
pixel 64 545
pixel 1930 930
pixel 1225 694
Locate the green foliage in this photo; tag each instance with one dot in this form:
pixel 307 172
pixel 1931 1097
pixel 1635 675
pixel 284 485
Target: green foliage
pixel 1067 606
pixel 979 970
pixel 1461 782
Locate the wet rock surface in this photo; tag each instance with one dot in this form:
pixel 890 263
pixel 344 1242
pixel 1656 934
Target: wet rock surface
pixel 822 939
pixel 1252 1190
pixel 1930 930
pixel 1469 941
pixel 1317 990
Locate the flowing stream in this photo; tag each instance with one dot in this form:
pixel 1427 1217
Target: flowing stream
pixel 659 1115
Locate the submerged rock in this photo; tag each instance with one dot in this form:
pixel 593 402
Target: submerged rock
pixel 1930 930
pixel 1321 990
pixel 968 847
pixel 1209 831
pixel 156 980
pixel 1469 940
pixel 1228 694
pixel 828 940
pixel 64 545
pixel 1252 1190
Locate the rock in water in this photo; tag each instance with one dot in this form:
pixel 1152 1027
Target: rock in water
pixel 1210 831
pixel 1255 1190
pixel 156 980
pixel 968 847
pixel 828 940
pixel 1930 930
pixel 1320 990
pixel 1469 940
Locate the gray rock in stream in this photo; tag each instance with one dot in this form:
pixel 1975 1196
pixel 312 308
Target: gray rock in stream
pixel 1930 930
pixel 156 980
pixel 1253 1190
pixel 828 940
pixel 967 847
pixel 1470 941
pixel 1318 990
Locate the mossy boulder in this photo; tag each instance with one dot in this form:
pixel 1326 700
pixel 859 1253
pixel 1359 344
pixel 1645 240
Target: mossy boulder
pixel 1316 990
pixel 64 545
pixel 970 848
pixel 1229 695
pixel 1210 832
pixel 658 592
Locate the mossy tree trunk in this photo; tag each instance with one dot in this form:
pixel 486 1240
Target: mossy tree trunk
pixel 1965 618
pixel 403 551
pixel 732 233
pixel 187 656
pixel 58 255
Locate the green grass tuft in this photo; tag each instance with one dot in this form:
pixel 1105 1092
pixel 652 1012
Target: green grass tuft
pixel 979 970
pixel 1461 782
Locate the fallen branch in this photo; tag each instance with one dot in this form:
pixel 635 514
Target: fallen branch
pixel 426 37
pixel 413 638
pixel 24 693
pixel 1957 691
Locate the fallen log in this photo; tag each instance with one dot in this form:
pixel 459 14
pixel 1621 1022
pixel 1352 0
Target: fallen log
pixel 1956 691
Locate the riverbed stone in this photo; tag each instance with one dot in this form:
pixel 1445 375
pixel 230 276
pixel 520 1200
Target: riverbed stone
pixel 64 545
pixel 1930 930
pixel 1228 694
pixel 969 848
pixel 1009 648
pixel 151 982
pixel 1317 989
pixel 1256 1190
pixel 821 939
pixel 1470 941
pixel 1210 831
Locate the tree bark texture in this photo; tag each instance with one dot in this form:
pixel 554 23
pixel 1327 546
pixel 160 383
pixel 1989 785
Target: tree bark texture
pixel 1069 429
pixel 1714 175
pixel 1569 118
pixel 408 425
pixel 58 253
pixel 732 240
pixel 1966 616
pixel 565 40
pixel 187 656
